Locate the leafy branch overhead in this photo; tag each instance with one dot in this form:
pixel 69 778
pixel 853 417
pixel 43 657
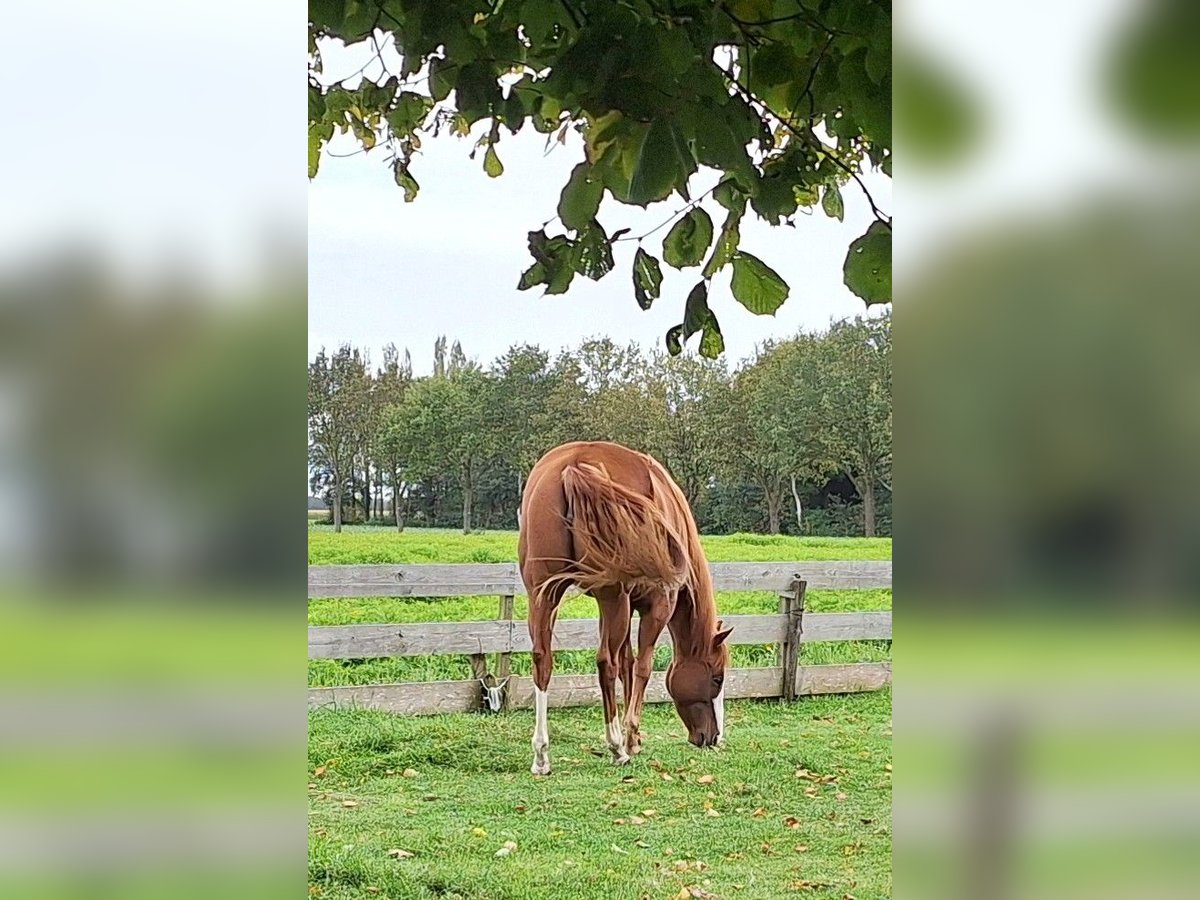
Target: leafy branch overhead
pixel 789 101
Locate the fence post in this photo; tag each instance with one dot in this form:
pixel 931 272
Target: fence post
pixel 504 660
pixel 793 608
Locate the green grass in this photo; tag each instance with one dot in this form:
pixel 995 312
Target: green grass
pixel 370 544
pixel 473 792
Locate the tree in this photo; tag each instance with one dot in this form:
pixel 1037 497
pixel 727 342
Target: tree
pixel 690 392
pixel 391 385
pixel 785 101
pixel 448 426
pixel 856 405
pixel 523 383
pixel 336 415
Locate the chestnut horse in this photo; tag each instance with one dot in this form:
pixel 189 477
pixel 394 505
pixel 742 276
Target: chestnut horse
pixel 612 522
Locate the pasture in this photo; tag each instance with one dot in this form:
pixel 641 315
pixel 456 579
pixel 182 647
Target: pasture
pixel 796 804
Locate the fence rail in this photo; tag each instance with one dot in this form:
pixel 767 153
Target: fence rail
pixel 789 629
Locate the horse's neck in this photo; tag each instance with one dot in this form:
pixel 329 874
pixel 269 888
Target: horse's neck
pixel 691 630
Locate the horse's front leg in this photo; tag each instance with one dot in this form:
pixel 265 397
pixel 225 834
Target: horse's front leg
pixel 614 634
pixel 651 623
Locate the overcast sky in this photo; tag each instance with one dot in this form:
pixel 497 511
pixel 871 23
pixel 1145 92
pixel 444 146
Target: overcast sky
pixel 382 270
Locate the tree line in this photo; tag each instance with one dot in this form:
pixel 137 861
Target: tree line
pixel 796 439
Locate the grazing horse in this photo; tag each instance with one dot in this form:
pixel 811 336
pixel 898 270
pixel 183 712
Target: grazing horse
pixel 612 522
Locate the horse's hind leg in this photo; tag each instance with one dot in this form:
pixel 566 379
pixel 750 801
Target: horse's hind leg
pixel 614 638
pixel 542 616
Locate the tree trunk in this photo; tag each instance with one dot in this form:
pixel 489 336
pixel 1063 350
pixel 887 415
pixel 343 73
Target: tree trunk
pixel 799 508
pixel 368 500
pixel 868 499
pixel 466 489
pixel 337 506
pixel 774 507
pixel 520 495
pixel 396 513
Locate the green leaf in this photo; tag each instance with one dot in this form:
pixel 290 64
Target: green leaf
pixel 580 200
pixel 868 267
pixel 316 104
pixel 686 242
pixel 317 135
pixel 406 181
pixel 712 342
pixel 409 113
pixel 442 73
pixel 534 275
pixel 656 166
pixel 593 252
pixel 695 310
pixel 698 317
pixel 491 163
pixel 726 246
pixel 831 202
pixel 730 196
pixel 757 286
pixel 647 278
pixel 674 344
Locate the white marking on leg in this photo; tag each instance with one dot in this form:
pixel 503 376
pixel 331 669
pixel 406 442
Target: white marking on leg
pixel 719 712
pixel 541 734
pixel 616 742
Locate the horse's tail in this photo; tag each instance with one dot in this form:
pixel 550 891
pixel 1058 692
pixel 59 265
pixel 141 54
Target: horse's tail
pixel 619 535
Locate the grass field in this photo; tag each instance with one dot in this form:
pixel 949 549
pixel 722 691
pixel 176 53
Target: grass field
pixel 796 804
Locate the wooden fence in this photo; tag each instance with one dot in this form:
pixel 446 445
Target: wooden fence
pixel 790 629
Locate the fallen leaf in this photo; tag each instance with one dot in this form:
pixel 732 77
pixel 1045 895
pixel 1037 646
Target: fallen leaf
pixel 511 845
pixel 666 776
pixel 811 791
pixel 628 779
pixel 312 784
pixel 318 771
pixel 636 820
pixel 616 849
pixel 839 796
pixel 847 897
pixel 409 773
pixel 641 844
pixel 503 851
pixel 649 792
pixel 887 767
pixel 371 889
pixel 684 894
pixel 759 813
pixel 802 848
pixel 649 813
pixel 478 832
pixel 712 813
pixel 389 771
pixel 767 848
pixel 803 773
pixel 349 804
pixel 791 822
pixel 520 807
pixel 397 853
pixel 705 779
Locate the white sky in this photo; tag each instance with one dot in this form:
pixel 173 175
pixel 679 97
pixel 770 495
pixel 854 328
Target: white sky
pixel 381 270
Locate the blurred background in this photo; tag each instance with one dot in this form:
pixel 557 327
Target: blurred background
pixel 152 400
pixel 1048 396
pixel 1047 707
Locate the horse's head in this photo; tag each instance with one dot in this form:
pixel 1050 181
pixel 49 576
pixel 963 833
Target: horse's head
pixel 696 684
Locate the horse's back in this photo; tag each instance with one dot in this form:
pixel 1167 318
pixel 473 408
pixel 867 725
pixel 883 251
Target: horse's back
pixel 545 545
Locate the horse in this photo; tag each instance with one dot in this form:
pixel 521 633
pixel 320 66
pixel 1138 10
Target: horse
pixel 612 522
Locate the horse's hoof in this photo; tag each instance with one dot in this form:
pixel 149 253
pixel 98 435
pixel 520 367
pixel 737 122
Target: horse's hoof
pixel 540 770
pixel 620 760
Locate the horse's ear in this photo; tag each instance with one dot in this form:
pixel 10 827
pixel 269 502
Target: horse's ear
pixel 720 637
